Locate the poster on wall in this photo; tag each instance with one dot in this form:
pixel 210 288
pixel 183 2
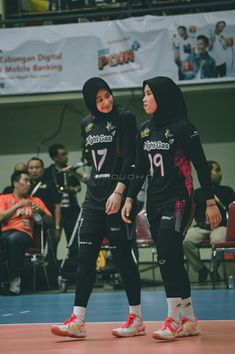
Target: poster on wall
pixel 191 49
pixel 34 5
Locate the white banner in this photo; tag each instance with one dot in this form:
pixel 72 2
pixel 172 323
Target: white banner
pixel 187 48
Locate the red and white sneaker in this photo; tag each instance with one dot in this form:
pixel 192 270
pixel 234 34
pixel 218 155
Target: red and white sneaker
pixel 72 327
pixel 168 330
pixel 188 328
pixel 134 326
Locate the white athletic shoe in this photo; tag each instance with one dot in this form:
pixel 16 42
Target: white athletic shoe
pixel 14 285
pixel 188 327
pixel 168 331
pixel 70 328
pixel 134 326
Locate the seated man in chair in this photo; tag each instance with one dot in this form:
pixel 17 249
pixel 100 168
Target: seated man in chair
pixel 18 213
pixel 201 231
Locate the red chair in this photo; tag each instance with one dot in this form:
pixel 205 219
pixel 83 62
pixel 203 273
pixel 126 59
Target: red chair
pixel 143 236
pixel 227 248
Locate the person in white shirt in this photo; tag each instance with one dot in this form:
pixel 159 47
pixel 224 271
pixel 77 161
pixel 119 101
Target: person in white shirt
pixel 218 48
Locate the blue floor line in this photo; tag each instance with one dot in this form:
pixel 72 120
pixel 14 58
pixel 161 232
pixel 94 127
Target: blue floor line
pixel 111 306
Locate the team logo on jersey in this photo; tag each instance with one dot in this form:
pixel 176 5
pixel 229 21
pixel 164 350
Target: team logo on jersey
pixel 169 136
pixel 96 139
pixel 195 133
pixel 156 145
pixel 110 126
pixel 144 133
pixel 89 127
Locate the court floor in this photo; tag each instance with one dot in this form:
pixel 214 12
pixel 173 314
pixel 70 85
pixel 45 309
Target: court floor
pixel 25 323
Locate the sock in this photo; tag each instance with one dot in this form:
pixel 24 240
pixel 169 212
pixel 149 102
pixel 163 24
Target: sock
pixel 135 310
pixel 174 307
pixel 79 312
pixel 187 309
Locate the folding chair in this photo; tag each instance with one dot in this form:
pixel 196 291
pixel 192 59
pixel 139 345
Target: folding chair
pixel 227 248
pixel 36 253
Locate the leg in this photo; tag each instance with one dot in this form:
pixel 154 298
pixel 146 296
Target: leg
pixel 193 238
pixel 218 235
pixel 16 243
pixel 90 244
pixel 86 272
pixel 118 233
pixel 123 259
pixel 167 232
pixel 121 245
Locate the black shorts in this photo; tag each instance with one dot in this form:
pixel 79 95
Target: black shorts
pixel 96 222
pixel 176 216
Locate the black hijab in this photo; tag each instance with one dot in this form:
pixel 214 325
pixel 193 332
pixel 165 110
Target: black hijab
pixel 89 90
pixel 170 101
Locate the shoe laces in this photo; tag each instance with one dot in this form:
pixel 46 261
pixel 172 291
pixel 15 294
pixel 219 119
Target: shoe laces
pixel 168 323
pixel 184 320
pixel 129 321
pixel 72 318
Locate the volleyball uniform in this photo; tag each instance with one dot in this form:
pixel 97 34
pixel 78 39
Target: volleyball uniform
pixel 111 145
pixel 164 154
pixel 109 141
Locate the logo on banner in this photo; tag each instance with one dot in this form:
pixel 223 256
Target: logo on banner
pixel 107 58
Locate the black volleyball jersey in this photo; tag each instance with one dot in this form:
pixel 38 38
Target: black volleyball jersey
pixel 163 155
pixel 111 147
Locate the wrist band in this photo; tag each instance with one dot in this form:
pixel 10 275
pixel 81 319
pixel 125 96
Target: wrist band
pixel 116 192
pixel 210 205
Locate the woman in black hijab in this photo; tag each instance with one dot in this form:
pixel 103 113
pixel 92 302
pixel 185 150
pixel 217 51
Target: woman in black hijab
pixel 166 146
pixel 108 137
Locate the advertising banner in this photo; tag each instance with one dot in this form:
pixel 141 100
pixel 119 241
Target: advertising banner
pixel 188 48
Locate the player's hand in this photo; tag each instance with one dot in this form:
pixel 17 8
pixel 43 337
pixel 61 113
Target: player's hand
pixel 113 203
pixel 126 210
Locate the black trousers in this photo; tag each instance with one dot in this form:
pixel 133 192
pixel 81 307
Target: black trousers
pixel 15 242
pixel 168 226
pixel 95 225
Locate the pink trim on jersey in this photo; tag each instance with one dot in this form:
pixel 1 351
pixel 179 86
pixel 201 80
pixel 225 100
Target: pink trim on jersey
pixel 184 165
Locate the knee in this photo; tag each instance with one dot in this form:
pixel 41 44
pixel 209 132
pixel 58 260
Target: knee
pixel 123 260
pixel 187 244
pixel 12 240
pixel 190 239
pixel 167 268
pixel 218 235
pixel 86 260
